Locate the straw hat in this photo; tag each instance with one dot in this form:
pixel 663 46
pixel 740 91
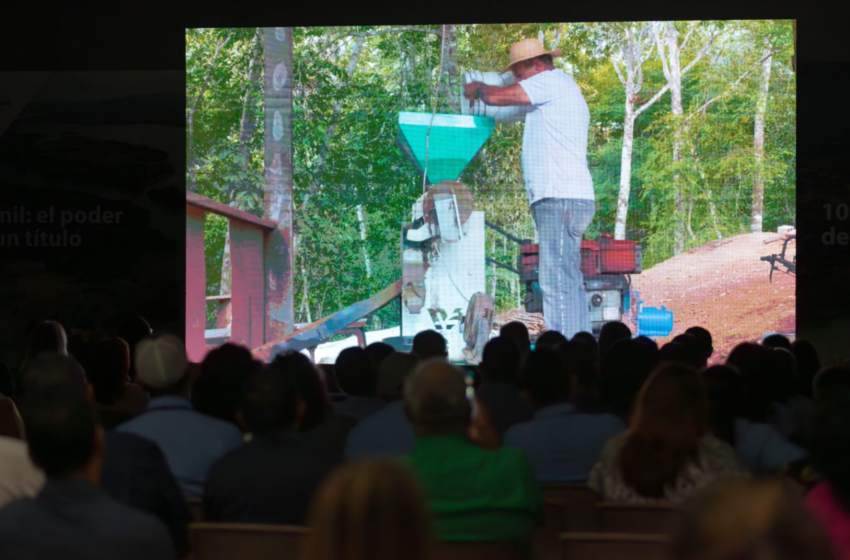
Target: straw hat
pixel 527 49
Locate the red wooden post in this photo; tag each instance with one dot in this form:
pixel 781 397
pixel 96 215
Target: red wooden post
pixel 247 286
pixel 278 177
pixel 196 284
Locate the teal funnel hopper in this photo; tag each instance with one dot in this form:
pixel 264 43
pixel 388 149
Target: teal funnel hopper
pixel 454 141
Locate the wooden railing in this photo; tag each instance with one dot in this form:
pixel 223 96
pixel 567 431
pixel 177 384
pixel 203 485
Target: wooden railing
pixel 247 300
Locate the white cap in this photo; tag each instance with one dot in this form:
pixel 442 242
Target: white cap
pixel 160 361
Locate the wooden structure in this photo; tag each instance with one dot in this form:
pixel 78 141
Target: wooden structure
pixel 258 313
pixel 249 238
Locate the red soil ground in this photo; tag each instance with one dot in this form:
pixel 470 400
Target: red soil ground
pixel 724 287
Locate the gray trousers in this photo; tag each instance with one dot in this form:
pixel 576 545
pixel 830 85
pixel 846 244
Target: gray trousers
pixel 561 223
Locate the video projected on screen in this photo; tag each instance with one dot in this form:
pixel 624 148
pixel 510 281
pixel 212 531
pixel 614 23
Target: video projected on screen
pixel 357 184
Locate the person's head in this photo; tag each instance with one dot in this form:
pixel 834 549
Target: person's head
pixel 54 369
pixel 46 337
pixel 161 365
pixel 704 340
pixel 356 373
pixel 134 329
pixel 368 510
pixel 831 379
pixel 784 366
pixel 579 358
pixel 669 421
pixel 392 374
pixel 829 440
pixel 517 332
pixel 651 348
pixel 378 351
pixel 63 435
pixel 724 389
pixel 312 395
pixel 435 399
pixel 550 339
pixel 529 58
pixel 109 370
pixel 682 349
pixel 501 360
pixel 610 333
pixel 544 377
pixel 622 372
pixel 808 365
pixel 588 339
pixel 754 362
pixel 216 389
pixel 268 402
pixel 741 519
pixel 429 344
pixel 777 341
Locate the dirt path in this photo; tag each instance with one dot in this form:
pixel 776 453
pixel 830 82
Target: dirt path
pixel 722 286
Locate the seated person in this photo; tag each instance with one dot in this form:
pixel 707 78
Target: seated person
pixel 217 388
pixel 190 441
pixel 387 432
pixel 135 471
pixel 71 517
pixel 430 345
pixel 272 478
pixel 118 399
pixel 357 375
pixel 499 404
pixel 668 452
pixel 760 446
pixel 19 477
pixel 518 332
pixel 741 519
pixel 472 494
pixel 561 443
pixel 369 509
pixel 317 420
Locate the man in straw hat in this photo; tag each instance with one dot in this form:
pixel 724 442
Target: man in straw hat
pixel 558 181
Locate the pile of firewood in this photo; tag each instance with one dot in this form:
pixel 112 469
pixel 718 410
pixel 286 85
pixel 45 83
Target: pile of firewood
pixel 534 321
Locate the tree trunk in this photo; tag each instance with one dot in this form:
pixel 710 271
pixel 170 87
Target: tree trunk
pixel 361 217
pixel 450 92
pixel 675 80
pixel 757 220
pixel 625 169
pixel 277 205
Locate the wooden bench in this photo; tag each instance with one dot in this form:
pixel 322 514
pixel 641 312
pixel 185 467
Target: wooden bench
pixel 240 541
pixel 614 546
pixel 659 519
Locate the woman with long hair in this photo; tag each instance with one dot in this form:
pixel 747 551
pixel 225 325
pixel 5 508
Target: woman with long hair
pixel 317 419
pixel 668 452
pixel 368 510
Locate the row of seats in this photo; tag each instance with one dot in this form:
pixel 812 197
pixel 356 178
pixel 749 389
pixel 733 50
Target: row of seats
pixel 576 526
pixel 233 541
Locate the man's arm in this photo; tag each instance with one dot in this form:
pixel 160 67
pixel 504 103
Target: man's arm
pixel 495 95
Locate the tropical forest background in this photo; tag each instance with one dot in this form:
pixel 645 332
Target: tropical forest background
pixel 692 139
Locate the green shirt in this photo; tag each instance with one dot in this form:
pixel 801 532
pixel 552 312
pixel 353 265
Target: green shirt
pixel 476 495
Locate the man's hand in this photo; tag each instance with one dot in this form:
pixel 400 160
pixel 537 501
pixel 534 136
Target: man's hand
pixel 470 90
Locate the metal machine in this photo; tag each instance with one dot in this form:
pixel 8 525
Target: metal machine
pixel 443 250
pixel 607 265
